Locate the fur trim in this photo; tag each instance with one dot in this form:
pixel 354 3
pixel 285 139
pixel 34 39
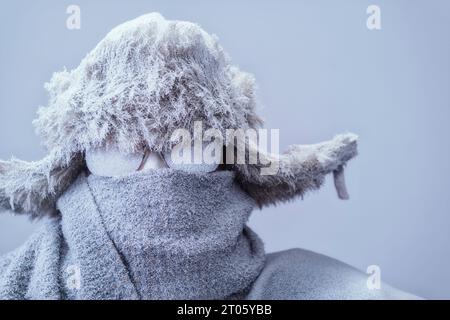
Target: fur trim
pixel 301 169
pixel 146 78
pixel 33 187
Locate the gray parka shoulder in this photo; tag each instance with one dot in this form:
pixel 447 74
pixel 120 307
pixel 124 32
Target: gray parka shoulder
pixel 293 274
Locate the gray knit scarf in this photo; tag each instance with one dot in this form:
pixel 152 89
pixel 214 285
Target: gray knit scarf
pixel 179 235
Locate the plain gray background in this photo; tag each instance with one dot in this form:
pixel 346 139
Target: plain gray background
pixel 320 72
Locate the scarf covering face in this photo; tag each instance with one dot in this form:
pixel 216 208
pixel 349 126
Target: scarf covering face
pixel 167 234
pixel 164 234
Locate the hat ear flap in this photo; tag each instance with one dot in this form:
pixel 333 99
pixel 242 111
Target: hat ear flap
pixel 300 169
pixel 33 187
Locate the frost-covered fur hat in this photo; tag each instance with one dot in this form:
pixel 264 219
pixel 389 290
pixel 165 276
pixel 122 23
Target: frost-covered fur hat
pixel 146 78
